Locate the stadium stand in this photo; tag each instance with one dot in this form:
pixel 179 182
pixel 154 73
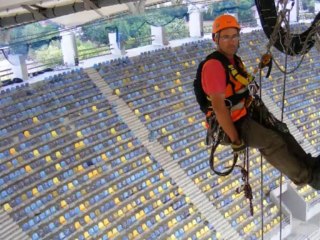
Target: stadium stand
pixel 74 164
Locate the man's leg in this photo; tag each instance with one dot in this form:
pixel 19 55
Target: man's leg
pixel 276 151
pixel 299 152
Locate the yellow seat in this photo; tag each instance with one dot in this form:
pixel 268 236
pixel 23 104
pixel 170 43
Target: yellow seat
pixel 191 119
pixel 24 197
pixel 147 158
pixel 87 219
pixel 117 91
pixel 35 120
pixel 163 130
pixel 79 134
pixel 94 108
pixel 104 157
pixel 151 194
pixel 12 151
pixel 70 185
pixel 82 144
pixel 106 222
pixel 113 131
pixel 54 133
pixel 188 151
pixel 110 190
pixel 86 235
pixel 166 212
pixel 144 227
pixel 55 194
pixel 26 134
pixel 48 158
pixel 178 74
pixel 62 220
pixel 7 207
pixel 100 225
pixel 142 198
pixel 137 112
pixel 28 168
pixel 77 225
pixel 58 154
pixel 82 207
pixel 135 233
pixel 63 204
pixel 110 234
pixel 58 167
pixel 80 168
pixel 117 201
pixel 158 218
pixel 147 117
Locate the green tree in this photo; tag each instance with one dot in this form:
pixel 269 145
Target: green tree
pixel 50 55
pixel 132 28
pixel 308 5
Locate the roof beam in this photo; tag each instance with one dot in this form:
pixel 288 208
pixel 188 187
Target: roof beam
pixel 36 12
pixel 47 13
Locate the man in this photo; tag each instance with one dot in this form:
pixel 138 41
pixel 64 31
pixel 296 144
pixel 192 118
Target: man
pixel 278 148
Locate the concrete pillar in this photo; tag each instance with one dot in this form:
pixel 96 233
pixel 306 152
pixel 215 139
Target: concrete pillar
pixel 256 16
pixel 117 48
pixel 293 12
pixel 18 66
pixel 195 21
pixel 158 36
pixel 316 7
pixel 69 49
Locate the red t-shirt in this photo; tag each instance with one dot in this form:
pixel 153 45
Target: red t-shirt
pixel 214 77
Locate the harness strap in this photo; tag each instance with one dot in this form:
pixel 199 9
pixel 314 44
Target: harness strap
pixel 211 161
pixel 235 98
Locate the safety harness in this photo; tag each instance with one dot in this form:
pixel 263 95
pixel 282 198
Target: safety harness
pixel 254 105
pixel 215 134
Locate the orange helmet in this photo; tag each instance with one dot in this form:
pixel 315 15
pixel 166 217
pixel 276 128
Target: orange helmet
pixel 224 21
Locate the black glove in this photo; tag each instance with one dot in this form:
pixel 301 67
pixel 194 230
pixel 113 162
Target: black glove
pixel 238 148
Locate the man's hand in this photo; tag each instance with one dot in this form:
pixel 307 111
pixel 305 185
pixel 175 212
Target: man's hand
pixel 238 146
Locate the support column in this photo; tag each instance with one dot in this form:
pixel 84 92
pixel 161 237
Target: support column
pixel 316 7
pixel 158 35
pixel 294 12
pixel 18 66
pixel 69 49
pixel 256 16
pixel 195 21
pixel 117 47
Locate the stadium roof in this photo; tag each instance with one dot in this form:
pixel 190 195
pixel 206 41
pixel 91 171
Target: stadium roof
pixel 66 12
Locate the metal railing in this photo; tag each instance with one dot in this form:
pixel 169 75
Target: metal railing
pixel 138 42
pixel 94 52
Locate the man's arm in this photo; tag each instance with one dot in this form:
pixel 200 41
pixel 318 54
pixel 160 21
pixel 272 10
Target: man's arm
pixel 224 117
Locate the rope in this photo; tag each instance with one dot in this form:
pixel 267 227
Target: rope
pixel 282 112
pixel 261 165
pixel 284 17
pixel 246 187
